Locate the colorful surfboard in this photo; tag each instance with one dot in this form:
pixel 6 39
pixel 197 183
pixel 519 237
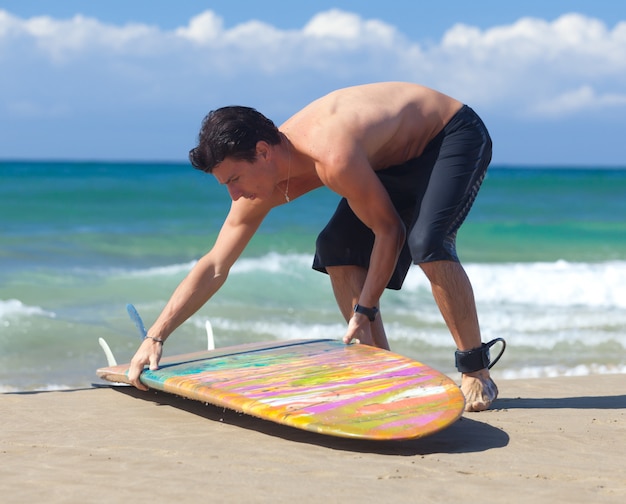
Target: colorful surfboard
pixel 324 386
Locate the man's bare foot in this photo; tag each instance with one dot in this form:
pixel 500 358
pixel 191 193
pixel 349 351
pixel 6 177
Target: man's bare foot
pixel 479 390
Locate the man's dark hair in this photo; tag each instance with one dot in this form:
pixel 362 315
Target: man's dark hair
pixel 231 132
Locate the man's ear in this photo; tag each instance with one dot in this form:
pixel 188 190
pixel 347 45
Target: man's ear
pixel 263 150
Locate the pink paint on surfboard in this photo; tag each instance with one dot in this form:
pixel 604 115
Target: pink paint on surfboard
pixel 324 386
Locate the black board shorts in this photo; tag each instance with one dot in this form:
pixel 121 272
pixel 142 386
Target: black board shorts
pixel 432 193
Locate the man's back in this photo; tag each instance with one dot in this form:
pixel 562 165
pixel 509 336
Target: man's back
pixel 390 122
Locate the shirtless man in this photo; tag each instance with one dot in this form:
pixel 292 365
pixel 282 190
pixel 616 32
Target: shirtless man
pixel 408 162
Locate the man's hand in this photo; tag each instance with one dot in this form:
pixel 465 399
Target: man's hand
pixel 149 352
pixel 359 329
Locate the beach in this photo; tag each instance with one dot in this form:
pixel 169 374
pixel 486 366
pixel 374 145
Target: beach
pixel 545 440
pixel 546 253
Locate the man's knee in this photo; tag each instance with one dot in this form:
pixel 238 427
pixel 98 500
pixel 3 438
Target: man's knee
pixel 436 271
pixel 428 247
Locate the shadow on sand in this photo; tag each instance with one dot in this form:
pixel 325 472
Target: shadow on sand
pixel 464 436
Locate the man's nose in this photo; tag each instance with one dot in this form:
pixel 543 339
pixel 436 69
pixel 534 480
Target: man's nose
pixel 235 194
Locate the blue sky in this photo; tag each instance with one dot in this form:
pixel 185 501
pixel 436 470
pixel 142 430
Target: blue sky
pixel 132 79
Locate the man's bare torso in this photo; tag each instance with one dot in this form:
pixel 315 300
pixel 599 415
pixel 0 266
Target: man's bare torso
pixel 389 122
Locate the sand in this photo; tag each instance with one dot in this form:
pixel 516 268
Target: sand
pixel 546 440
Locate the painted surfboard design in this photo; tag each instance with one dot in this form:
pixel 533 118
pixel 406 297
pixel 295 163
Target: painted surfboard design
pixel 323 386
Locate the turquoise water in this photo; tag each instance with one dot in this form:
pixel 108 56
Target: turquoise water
pixel 545 250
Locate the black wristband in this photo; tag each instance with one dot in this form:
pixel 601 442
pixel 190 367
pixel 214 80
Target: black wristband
pixel 370 313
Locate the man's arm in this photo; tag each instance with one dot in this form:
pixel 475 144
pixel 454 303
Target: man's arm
pixel 355 179
pixel 202 282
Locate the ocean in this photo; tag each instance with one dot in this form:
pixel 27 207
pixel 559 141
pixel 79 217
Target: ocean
pixel 545 250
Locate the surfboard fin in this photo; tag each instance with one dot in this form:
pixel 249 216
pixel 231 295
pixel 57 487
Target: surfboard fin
pixel 209 336
pixel 107 351
pixel 134 316
pixel 112 362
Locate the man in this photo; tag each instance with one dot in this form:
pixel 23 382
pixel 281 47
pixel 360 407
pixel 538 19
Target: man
pixel 408 162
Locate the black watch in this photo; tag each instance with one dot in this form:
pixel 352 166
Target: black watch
pixel 370 313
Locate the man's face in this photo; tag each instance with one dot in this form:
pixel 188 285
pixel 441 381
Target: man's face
pixel 245 180
pixel 248 180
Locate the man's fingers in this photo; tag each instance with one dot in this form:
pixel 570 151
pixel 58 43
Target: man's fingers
pixel 154 363
pixel 137 384
pixel 145 355
pixel 140 386
pixel 133 376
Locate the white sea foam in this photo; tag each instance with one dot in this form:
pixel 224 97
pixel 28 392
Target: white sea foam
pixel 538 304
pixel 158 271
pixel 555 284
pixel 14 308
pixel 277 329
pixel 558 371
pixel 272 262
pixel 558 283
pixel 541 284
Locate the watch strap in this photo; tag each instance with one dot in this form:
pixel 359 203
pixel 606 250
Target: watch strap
pixel 370 313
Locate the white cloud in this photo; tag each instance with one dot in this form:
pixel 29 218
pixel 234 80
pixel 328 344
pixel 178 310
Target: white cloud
pixel 345 26
pixel 204 28
pixel 531 40
pixel 64 40
pixel 532 60
pixel 73 67
pixel 583 99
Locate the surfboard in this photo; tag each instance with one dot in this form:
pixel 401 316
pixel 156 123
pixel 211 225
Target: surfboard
pixel 322 385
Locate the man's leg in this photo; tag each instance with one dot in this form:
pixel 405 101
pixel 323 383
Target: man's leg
pixel 454 296
pixel 347 283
